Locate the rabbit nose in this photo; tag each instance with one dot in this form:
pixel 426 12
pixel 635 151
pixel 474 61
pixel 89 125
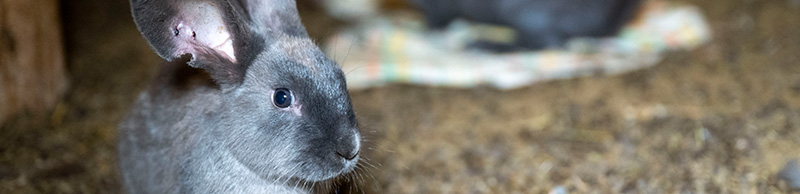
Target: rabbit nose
pixel 347 146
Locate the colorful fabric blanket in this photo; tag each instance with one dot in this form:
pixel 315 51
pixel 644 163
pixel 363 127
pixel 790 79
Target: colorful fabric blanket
pixel 400 50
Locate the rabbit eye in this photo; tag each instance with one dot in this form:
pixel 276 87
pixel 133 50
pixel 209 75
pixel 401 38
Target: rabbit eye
pixel 282 98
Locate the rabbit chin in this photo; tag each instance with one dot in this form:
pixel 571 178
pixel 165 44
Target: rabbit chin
pixel 328 170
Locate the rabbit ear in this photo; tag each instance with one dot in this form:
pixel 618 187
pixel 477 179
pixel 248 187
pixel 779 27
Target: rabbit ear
pixel 221 35
pixel 268 16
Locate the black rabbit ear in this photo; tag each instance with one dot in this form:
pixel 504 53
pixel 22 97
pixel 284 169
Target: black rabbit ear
pixel 221 35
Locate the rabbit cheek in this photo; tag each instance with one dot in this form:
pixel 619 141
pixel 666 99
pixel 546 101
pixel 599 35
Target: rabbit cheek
pixel 294 109
pixel 297 110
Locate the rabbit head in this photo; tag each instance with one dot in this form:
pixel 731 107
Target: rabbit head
pixel 285 110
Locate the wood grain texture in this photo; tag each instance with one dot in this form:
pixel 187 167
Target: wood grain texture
pixel 32 74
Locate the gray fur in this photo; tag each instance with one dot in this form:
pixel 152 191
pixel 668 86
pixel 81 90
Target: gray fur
pixel 539 23
pixel 791 174
pixel 227 136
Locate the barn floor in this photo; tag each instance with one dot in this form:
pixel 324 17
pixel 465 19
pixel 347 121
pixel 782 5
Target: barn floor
pixel 723 118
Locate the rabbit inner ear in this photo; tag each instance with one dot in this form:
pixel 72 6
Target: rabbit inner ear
pixel 200 24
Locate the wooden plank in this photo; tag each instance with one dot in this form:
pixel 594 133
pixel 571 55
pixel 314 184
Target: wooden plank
pixel 32 73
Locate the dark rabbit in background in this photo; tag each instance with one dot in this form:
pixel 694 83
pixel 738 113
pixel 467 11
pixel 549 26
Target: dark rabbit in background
pixel 539 23
pixel 277 117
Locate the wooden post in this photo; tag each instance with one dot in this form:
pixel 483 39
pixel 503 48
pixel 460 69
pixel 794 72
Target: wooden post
pixel 32 77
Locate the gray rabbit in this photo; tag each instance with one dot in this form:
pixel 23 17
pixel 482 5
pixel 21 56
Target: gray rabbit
pixel 539 23
pixel 277 117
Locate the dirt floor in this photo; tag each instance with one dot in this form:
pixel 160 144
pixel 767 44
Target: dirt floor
pixel 723 118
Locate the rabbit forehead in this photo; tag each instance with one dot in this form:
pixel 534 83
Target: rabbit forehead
pixel 300 58
pixel 297 64
pixel 300 50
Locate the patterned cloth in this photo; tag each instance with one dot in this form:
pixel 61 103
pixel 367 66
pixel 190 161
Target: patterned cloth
pixel 401 50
